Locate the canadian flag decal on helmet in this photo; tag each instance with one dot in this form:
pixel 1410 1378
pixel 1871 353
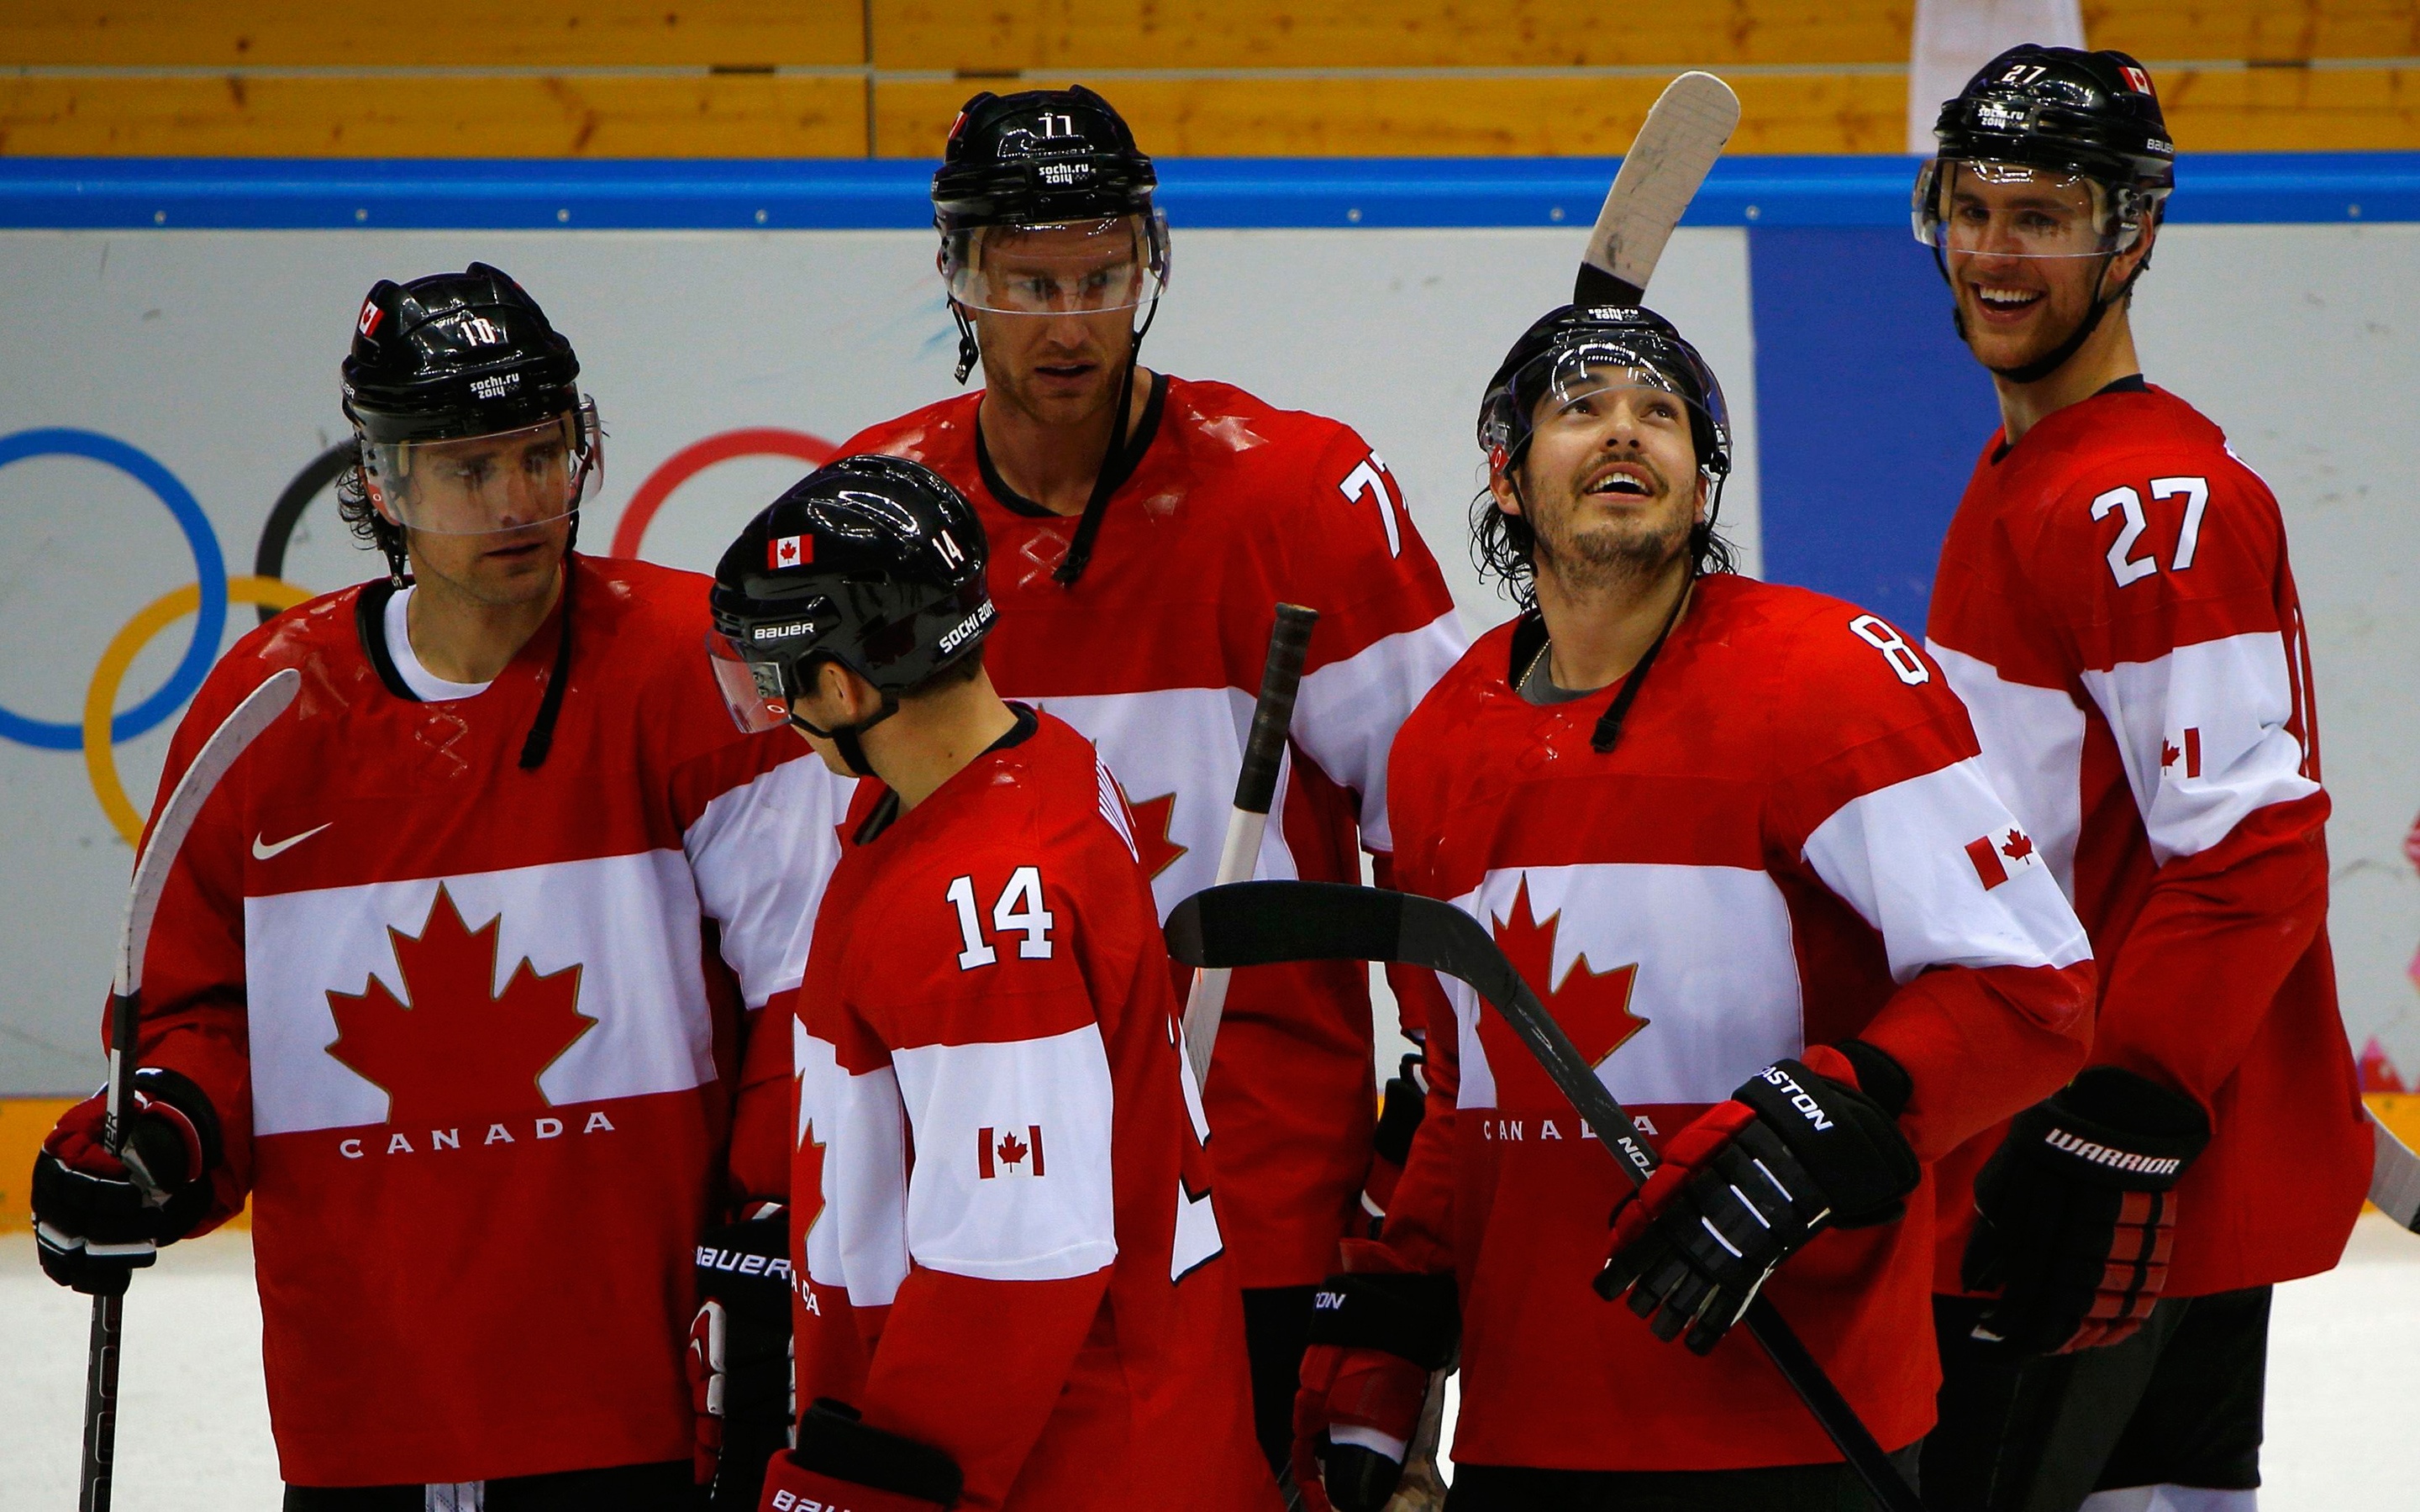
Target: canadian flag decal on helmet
pixel 789 551
pixel 371 315
pixel 2136 79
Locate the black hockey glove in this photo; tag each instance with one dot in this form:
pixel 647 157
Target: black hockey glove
pixel 741 1381
pixel 2075 1212
pixel 1390 1143
pixel 841 1465
pixel 93 1227
pixel 1798 1148
pixel 1377 1335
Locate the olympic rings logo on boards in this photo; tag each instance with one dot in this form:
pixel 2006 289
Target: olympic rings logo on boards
pixel 103 726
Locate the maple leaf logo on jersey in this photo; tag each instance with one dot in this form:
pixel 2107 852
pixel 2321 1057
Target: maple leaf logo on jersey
pixel 1000 1152
pixel 1152 818
pixel 1592 1006
pixel 458 1049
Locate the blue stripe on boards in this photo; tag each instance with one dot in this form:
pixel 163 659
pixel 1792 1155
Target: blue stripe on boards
pixel 1870 413
pixel 851 193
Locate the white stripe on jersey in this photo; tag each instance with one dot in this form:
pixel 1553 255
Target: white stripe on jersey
pixel 1898 856
pixel 2202 733
pixel 969 1103
pixel 865 1182
pixel 1113 808
pixel 634 935
pixel 1346 713
pixel 1188 742
pixel 1719 1001
pixel 762 852
pixel 2033 751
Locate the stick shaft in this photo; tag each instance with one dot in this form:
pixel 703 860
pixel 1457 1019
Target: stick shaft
pixel 1256 786
pixel 100 1404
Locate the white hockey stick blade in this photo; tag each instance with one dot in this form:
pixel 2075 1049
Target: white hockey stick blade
pixel 258 710
pixel 1684 133
pixel 2394 1177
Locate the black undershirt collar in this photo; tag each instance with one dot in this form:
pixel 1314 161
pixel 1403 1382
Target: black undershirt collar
pixel 2130 383
pixel 885 811
pixel 1016 503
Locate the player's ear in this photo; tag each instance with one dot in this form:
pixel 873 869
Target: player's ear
pixel 1500 484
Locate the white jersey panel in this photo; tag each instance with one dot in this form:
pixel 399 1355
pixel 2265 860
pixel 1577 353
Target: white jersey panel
pixel 1906 858
pixel 2202 733
pixel 1345 713
pixel 1185 743
pixel 817 1074
pixel 1012 1179
pixel 865 1182
pixel 1718 1002
pixel 762 852
pixel 634 939
pixel 2033 751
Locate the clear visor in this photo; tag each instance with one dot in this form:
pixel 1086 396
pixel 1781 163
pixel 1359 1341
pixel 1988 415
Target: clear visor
pixel 752 690
pixel 1079 268
pixel 485 485
pixel 2009 210
pixel 1588 386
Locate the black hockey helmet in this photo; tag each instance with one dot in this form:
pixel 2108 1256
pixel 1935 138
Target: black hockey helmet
pixel 1041 157
pixel 455 354
pixel 1571 351
pixel 2063 119
pixel 876 563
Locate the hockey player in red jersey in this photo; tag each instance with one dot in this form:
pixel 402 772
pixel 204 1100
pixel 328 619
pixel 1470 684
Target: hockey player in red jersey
pixel 2115 607
pixel 455 975
pixel 1737 837
pixel 1143 527
pixel 1010 1290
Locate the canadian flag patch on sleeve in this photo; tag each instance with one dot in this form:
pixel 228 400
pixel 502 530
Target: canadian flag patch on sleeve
pixel 1996 858
pixel 1006 1153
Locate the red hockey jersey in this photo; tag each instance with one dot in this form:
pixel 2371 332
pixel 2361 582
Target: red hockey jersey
pixel 1155 656
pixel 2115 607
pixel 465 1029
pixel 1003 1219
pixel 1793 843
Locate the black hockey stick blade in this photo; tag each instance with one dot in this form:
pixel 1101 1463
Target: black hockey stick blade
pixel 1265 923
pixel 1676 148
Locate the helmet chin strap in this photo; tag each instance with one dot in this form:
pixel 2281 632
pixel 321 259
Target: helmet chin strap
pixel 846 739
pixel 2056 358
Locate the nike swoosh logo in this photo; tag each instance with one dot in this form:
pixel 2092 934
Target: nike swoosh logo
pixel 261 851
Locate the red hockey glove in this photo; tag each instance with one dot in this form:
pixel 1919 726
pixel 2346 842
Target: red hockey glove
pixel 841 1465
pixel 740 1377
pixel 93 1227
pixel 1798 1148
pixel 2075 1212
pixel 1390 1143
pixel 1376 1333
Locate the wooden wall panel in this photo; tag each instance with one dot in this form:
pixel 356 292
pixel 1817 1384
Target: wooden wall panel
pixel 546 32
pixel 751 116
pixel 1448 117
pixel 1078 34
pixel 2292 110
pixel 2256 29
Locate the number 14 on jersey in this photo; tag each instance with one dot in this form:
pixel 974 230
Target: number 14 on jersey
pixel 1017 911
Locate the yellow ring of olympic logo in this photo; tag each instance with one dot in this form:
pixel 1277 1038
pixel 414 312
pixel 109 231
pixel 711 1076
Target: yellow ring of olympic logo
pixel 100 698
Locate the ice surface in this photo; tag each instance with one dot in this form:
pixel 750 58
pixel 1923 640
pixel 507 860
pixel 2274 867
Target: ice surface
pixel 2344 1382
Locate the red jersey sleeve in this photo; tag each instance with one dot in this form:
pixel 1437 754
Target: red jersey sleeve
pixel 2168 574
pixel 971 1017
pixel 1387 628
pixel 1881 794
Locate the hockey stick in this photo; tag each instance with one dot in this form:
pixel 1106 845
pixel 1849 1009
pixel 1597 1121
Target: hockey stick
pixel 1257 923
pixel 1256 787
pixel 262 705
pixel 1677 145
pixel 2393 1175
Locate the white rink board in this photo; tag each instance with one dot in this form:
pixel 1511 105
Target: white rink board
pixel 216 353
